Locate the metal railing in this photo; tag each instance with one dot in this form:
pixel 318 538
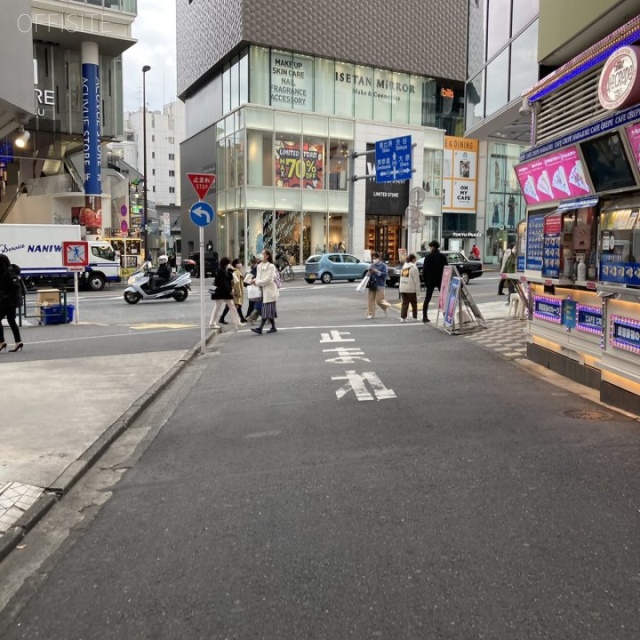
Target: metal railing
pixel 126 6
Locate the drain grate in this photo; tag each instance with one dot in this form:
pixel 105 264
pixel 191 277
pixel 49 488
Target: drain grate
pixel 587 414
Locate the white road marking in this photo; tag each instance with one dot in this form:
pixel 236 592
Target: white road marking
pixel 356 382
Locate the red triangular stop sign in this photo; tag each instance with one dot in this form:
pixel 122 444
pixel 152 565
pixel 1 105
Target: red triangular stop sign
pixel 202 182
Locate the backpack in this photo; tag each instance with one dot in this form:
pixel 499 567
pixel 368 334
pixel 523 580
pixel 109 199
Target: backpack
pixel 277 279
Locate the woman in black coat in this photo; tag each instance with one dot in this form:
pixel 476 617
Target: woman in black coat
pixel 10 297
pixel 223 294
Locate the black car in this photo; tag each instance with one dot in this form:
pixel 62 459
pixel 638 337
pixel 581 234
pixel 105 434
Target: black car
pixel 468 269
pixel 210 264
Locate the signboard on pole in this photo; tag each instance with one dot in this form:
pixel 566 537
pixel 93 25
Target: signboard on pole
pixel 393 159
pixel 202 182
pixel 75 254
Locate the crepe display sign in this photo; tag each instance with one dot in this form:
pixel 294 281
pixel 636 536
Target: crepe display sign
pixel 556 176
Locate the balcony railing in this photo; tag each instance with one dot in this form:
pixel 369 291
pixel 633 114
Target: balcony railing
pixel 126 6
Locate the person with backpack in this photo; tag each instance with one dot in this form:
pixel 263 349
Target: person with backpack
pixel 10 299
pixel 268 279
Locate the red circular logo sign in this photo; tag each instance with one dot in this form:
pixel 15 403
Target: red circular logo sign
pixel 619 85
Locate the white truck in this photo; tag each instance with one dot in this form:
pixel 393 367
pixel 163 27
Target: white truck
pixel 37 250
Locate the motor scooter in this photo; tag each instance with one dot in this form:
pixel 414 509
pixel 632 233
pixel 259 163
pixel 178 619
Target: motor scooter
pixel 139 287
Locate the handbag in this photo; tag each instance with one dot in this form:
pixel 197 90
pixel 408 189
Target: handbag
pixel 254 292
pixel 372 285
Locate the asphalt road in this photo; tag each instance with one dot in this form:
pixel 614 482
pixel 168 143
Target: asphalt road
pixel 455 497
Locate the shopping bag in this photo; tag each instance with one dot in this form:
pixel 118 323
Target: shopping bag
pixel 254 292
pixel 363 284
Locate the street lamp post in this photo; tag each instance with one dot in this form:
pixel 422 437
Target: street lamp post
pixel 145 220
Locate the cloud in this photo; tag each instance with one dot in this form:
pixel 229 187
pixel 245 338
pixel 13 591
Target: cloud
pixel 155 30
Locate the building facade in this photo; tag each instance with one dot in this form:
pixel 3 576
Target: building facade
pixel 502 62
pixel 276 108
pixel 74 79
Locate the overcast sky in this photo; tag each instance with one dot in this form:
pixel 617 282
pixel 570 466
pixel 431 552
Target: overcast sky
pixel 155 30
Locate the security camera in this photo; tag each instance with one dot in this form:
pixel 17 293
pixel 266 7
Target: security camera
pixel 525 108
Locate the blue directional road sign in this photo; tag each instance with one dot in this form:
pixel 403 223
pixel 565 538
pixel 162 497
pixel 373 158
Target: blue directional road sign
pixel 393 159
pixel 202 214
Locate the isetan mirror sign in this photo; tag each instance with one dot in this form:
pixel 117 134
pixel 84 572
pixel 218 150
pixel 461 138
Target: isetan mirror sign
pixel 619 85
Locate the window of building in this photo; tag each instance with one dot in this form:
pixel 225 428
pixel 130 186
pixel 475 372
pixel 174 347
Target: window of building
pixel 474 97
pixel 153 138
pixel 338 164
pixel 497 94
pixel 243 71
pixel 234 81
pixel 498 26
pixel 226 89
pixel 172 140
pixel 259 78
pixel 172 189
pixel 523 12
pixel 153 155
pixel 287 153
pixel 260 158
pixel 172 173
pixel 524 62
pixel 153 172
pixel 172 156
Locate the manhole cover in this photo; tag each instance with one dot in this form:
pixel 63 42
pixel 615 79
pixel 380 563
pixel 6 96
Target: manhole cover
pixel 587 414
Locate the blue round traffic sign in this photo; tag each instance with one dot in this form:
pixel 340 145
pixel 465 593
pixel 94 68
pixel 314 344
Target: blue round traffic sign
pixel 202 214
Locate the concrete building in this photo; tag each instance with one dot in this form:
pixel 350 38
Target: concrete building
pixel 64 87
pixel 277 100
pixel 165 133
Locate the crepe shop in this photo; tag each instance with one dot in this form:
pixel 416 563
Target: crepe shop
pixel 579 248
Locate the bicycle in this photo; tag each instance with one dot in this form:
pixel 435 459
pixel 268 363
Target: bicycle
pixel 287 273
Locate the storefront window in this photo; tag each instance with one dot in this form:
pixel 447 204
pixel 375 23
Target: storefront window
pixel 432 176
pixel 524 64
pixel 382 95
pixel 235 84
pixel 221 183
pixel 226 89
pixel 497 85
pixel 401 96
pixel 498 25
pixel 260 158
pixel 239 157
pixel 288 233
pixel 314 156
pixel 244 77
pixel 475 101
pixel 288 162
pixel 363 92
pixel 324 85
pixel 230 161
pixel 259 75
pixel 292 83
pixel 344 78
pixel 338 168
pixel 415 101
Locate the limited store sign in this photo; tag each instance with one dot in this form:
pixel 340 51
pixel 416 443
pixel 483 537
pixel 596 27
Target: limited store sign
pixel 619 85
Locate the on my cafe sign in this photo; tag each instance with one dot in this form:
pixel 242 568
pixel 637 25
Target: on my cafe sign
pixel 619 85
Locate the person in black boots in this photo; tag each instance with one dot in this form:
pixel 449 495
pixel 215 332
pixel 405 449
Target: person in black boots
pixel 238 291
pixel 265 279
pixel 10 298
pixel 432 269
pixel 223 294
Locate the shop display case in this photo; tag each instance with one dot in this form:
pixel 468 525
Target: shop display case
pixel 620 246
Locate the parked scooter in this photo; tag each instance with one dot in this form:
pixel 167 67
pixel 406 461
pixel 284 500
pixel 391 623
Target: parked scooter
pixel 141 286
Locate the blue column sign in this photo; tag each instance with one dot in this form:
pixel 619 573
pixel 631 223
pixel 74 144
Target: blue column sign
pixel 91 128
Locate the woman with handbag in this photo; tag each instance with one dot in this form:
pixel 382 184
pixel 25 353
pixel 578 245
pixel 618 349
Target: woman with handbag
pixel 254 293
pixel 223 294
pixel 377 283
pixel 266 280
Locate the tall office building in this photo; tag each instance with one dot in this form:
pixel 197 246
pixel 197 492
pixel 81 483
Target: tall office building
pixel 278 99
pixel 67 59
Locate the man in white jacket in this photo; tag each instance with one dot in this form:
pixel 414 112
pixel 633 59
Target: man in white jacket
pixel 409 288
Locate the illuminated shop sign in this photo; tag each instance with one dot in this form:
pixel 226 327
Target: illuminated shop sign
pixel 619 84
pixel 548 309
pixel 44 98
pixel 460 160
pixel 624 333
pixel 589 319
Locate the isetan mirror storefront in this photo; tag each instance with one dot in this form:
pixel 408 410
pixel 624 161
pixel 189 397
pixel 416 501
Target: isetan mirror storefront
pixel 287 126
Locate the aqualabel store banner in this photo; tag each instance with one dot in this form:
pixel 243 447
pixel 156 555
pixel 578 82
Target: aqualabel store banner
pixel 556 176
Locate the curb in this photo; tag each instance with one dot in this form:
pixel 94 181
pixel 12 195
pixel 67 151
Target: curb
pixel 63 483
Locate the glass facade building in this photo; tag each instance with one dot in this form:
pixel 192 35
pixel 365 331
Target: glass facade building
pixel 285 127
pixel 501 64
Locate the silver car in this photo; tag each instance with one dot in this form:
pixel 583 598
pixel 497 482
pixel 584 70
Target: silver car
pixel 334 266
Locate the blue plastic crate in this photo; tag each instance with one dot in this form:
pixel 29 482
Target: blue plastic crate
pixel 55 314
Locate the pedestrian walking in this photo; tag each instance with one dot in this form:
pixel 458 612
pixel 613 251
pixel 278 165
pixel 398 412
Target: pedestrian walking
pixel 238 291
pixel 10 299
pixel 223 294
pixel 377 282
pixel 508 265
pixel 432 269
pixel 266 280
pixel 409 288
pixel 254 293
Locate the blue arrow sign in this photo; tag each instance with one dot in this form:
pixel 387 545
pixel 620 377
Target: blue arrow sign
pixel 393 159
pixel 202 214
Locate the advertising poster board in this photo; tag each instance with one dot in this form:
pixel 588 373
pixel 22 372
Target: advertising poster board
pixel 460 174
pixel 297 166
pixel 453 296
pixel 556 176
pixel 551 261
pixel 444 288
pixel 535 241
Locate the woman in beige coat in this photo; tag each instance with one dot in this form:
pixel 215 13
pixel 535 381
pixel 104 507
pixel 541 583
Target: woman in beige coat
pixel 265 279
